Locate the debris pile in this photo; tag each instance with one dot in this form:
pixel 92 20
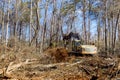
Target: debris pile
pixel 58 54
pixel 74 68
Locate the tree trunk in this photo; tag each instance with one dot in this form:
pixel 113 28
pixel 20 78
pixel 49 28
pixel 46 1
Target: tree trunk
pixel 84 22
pixel 116 25
pixel 105 37
pixel 7 26
pixel 98 31
pixel 52 24
pixel 106 17
pixel 37 25
pixel 3 24
pixel 112 30
pixel 89 23
pixel 30 22
pixel 45 25
pixel 119 31
pixel 20 31
pixel 109 31
pixel 16 24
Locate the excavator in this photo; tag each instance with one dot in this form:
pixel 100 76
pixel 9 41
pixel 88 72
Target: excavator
pixel 78 45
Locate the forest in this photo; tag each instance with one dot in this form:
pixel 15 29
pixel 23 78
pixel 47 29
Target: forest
pixel 32 41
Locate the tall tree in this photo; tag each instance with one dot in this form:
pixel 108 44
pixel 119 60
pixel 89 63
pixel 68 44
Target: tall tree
pixel 45 26
pixel 37 29
pixel 3 4
pixel 30 21
pixel 84 21
pixel 7 25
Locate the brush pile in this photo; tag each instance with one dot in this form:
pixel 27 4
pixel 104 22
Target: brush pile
pixel 55 64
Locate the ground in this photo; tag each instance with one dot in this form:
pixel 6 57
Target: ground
pixel 56 64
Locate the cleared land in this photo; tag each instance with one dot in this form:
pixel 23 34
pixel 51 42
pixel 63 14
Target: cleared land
pixel 56 64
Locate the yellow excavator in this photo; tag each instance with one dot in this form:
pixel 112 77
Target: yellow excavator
pixel 78 47
pixel 74 40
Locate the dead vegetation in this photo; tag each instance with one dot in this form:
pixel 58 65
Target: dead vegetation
pixel 55 64
pixel 58 54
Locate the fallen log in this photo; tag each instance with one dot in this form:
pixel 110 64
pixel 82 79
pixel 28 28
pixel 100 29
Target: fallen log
pixel 119 66
pixel 12 66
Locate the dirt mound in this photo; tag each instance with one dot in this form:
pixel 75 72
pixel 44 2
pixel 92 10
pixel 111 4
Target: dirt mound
pixel 58 54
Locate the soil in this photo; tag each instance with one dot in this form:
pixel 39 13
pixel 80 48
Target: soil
pixel 55 64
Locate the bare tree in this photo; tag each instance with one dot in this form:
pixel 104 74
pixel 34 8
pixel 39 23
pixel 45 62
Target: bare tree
pixel 7 31
pixel 116 25
pixel 37 22
pixel 30 21
pixel 3 4
pixel 45 26
pixel 84 21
